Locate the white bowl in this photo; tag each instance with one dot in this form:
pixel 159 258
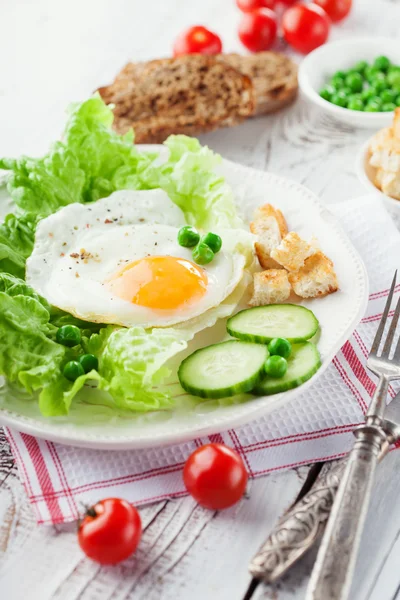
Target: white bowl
pixel 322 63
pixel 366 174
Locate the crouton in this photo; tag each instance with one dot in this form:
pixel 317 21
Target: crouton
pixel 293 251
pixel 317 277
pixel 270 287
pixel 270 227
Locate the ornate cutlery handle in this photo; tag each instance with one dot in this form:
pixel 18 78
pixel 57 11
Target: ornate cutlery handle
pixel 298 528
pixel 331 577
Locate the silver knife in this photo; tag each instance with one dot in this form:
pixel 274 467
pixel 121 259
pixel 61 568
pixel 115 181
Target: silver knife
pixel 302 524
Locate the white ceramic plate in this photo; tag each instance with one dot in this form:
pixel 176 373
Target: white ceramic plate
pixel 366 174
pixel 323 62
pixel 338 315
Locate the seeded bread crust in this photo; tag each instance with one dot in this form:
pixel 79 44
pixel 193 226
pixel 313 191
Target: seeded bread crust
pixel 188 94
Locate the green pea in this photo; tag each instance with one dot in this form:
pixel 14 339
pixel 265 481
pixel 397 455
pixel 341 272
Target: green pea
pixel 337 82
pixel 388 107
pixel 367 94
pixel 68 335
pixel 280 347
pixel 89 362
pixel 356 104
pixel 378 85
pixel 382 63
pixel 388 96
pixel 373 106
pixel 393 80
pixel 341 74
pixel 340 99
pixel 325 94
pixel 394 69
pixel 370 73
pixel 188 236
pixel 276 366
pixel 72 370
pixel 361 66
pixel 355 82
pixel 202 254
pixel 398 101
pixel 213 241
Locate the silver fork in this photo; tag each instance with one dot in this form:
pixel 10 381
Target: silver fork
pixel 334 567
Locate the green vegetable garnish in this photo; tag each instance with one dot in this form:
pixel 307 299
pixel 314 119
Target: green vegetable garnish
pixel 202 254
pixel 280 347
pixel 388 96
pixel 72 370
pixel 389 107
pixel 213 241
pixel 188 236
pixel 373 106
pixel 393 80
pixel 275 366
pixel 326 94
pixel 382 63
pixel 340 99
pixel 89 362
pixel 355 104
pixel 68 335
pixel 337 81
pixel 378 85
pixel 361 66
pixel 355 82
pixel 371 73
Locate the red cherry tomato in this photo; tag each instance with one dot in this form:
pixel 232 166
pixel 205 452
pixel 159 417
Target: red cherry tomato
pixel 257 29
pixel 250 5
pixel 305 27
pixel 335 9
pixel 197 40
pixel 215 476
pixel 110 531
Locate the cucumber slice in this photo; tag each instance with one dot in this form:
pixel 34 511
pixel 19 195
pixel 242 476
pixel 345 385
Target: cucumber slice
pixel 223 369
pixel 303 362
pixel 263 323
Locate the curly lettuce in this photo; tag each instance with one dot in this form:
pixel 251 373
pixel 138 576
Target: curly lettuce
pixel 90 162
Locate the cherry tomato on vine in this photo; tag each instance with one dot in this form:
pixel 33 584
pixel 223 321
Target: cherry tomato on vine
pixel 305 27
pixel 215 476
pixel 110 531
pixel 257 29
pixel 197 40
pixel 250 5
pixel 335 9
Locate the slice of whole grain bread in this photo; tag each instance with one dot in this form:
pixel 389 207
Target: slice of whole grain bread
pixel 188 94
pixel 273 75
pixel 197 93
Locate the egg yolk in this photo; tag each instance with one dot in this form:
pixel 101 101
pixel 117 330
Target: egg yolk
pixel 160 282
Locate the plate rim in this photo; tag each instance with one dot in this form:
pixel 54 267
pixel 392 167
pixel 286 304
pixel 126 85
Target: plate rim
pixel 80 438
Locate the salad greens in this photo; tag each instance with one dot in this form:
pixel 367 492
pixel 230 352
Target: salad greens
pixel 90 163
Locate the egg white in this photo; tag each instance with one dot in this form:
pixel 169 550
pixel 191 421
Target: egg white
pixel 115 231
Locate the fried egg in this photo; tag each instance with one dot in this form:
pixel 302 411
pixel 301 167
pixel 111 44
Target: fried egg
pixel 118 261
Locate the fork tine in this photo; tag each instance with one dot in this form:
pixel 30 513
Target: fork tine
pixel 380 330
pixel 391 332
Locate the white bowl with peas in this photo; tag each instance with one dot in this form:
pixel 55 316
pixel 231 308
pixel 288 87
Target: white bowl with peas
pixel 356 81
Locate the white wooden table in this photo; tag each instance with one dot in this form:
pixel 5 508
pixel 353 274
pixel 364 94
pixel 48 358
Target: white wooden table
pixel 53 52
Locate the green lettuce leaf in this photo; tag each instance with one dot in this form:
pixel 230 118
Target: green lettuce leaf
pixel 16 243
pixel 190 180
pixel 27 356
